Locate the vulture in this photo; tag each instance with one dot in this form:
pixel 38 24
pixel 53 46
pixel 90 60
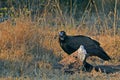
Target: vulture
pixel 72 43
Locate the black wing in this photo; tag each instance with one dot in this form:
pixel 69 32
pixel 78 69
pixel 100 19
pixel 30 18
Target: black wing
pixel 92 46
pixel 98 52
pixel 75 42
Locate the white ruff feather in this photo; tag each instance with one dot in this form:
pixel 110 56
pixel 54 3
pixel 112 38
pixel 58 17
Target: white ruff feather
pixel 81 53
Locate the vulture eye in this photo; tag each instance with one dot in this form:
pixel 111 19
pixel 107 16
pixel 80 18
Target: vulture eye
pixel 60 33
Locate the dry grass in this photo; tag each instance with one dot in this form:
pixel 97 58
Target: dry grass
pixel 28 52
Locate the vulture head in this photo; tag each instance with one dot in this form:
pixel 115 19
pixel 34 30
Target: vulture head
pixel 62 35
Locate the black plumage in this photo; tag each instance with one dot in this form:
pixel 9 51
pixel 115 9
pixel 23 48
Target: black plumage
pixel 71 43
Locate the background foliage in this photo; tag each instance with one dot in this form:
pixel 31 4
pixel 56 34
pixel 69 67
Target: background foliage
pixel 60 12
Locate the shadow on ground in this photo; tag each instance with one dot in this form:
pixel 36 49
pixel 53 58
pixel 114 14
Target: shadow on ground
pixel 72 65
pixel 41 59
pixel 99 68
pixel 107 68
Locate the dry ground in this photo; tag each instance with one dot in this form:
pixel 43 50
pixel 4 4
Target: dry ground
pixel 30 52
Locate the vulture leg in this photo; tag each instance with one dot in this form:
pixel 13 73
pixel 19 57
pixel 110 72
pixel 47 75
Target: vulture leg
pixel 87 67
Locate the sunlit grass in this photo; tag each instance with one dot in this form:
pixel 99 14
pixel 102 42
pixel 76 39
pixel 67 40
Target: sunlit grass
pixel 29 52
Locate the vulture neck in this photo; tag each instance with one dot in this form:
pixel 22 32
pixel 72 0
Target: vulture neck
pixel 65 38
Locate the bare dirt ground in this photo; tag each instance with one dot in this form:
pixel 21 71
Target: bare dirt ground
pixel 70 64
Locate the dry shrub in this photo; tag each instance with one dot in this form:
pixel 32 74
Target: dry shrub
pixel 28 44
pixel 25 36
pixel 110 44
pixel 16 40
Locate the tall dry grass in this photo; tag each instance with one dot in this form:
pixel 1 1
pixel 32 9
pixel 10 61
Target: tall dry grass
pixel 28 50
